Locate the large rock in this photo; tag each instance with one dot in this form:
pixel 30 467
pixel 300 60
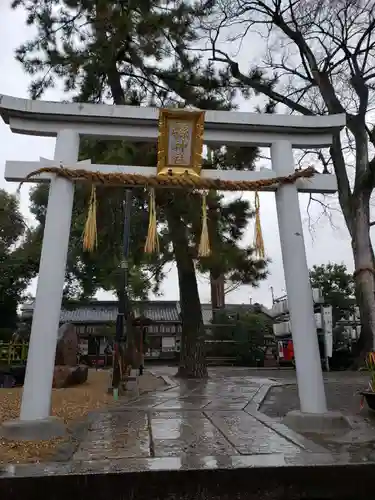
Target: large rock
pixel 67 346
pixel 18 372
pixel 6 379
pixel 61 375
pixel 79 375
pixel 68 376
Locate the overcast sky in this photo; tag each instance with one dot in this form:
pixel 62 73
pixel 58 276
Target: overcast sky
pixel 326 244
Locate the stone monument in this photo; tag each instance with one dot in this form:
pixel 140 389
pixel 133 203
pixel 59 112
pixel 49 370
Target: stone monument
pixel 67 372
pixel 67 346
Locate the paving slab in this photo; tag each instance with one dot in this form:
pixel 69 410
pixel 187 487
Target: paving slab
pixel 116 435
pixel 284 431
pixel 249 436
pixel 192 434
pixel 150 400
pixel 188 403
pixel 227 403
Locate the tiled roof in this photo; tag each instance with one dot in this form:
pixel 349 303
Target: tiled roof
pixel 106 311
pixel 158 310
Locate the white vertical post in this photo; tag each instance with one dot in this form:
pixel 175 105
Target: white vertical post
pixel 305 341
pixel 36 400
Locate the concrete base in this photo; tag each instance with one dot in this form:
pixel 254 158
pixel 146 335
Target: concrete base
pixel 321 423
pixel 33 430
pixel 131 385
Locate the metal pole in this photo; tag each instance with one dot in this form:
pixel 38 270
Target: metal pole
pixel 122 325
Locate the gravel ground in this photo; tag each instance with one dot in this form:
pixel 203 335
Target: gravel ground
pixel 73 404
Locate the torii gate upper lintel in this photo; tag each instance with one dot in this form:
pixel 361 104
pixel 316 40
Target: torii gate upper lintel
pixel 68 121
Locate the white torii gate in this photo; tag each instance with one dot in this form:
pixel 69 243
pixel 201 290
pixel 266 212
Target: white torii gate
pixel 67 122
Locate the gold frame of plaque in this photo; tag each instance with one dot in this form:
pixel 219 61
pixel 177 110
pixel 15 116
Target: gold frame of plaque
pixel 191 130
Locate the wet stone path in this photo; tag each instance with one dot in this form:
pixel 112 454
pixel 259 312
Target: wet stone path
pixel 193 425
pixel 214 418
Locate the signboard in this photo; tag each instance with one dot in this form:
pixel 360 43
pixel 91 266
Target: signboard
pixel 168 344
pixel 328 330
pixel 84 347
pixel 180 142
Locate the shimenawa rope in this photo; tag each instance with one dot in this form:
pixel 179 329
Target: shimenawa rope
pixel 181 181
pixel 184 181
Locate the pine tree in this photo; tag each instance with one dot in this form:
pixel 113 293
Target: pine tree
pixel 135 52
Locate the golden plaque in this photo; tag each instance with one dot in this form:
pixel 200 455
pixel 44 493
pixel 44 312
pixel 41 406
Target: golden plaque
pixel 180 142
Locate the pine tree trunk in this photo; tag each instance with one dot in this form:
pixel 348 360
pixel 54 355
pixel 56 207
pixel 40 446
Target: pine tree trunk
pixel 217 278
pixel 217 281
pixel 364 276
pixel 192 355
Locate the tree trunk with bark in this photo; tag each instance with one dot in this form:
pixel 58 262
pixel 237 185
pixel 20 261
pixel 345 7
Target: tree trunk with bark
pixel 192 355
pixel 217 282
pixel 355 205
pixel 217 278
pixel 364 275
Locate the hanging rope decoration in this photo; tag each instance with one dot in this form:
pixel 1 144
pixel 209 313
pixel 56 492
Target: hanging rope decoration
pixel 258 236
pixel 152 241
pixel 181 181
pixel 90 233
pixel 204 249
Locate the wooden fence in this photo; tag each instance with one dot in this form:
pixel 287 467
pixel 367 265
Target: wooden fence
pixel 13 354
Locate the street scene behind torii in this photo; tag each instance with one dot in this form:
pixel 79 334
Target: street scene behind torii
pixel 222 425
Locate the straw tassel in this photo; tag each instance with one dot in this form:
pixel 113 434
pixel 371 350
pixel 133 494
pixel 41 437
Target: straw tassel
pixel 152 241
pixel 258 237
pixel 204 249
pixel 90 236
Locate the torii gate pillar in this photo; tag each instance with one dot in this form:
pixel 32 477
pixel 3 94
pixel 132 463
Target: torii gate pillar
pixel 35 419
pixel 305 341
pixel 36 404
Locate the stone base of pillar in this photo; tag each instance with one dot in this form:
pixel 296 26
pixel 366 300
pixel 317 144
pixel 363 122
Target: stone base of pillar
pixel 33 430
pixel 319 423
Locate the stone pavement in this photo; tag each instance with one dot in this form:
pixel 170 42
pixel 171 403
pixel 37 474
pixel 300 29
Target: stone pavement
pixel 211 418
pixel 208 424
pixel 197 423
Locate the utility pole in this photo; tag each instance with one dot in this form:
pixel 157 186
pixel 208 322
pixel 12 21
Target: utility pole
pixel 123 320
pixel 272 295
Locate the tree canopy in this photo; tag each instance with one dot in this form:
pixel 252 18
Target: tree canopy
pixel 317 59
pixel 337 286
pixel 19 256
